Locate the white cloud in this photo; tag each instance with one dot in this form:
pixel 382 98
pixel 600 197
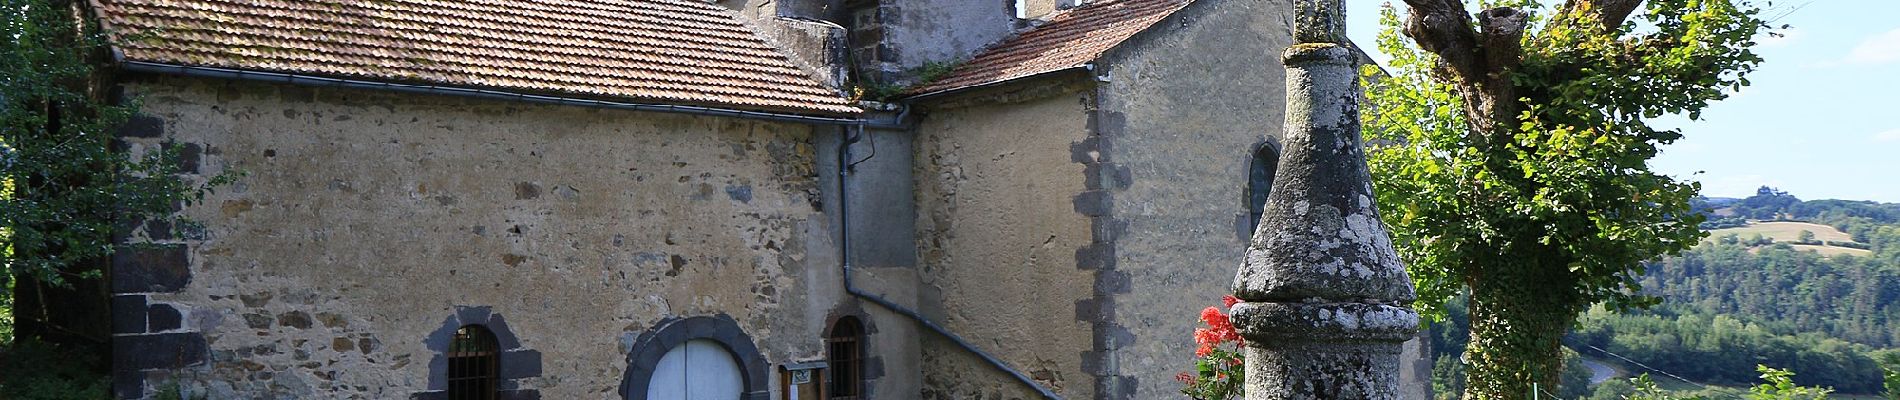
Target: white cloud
pixel 1879 49
pixel 1890 135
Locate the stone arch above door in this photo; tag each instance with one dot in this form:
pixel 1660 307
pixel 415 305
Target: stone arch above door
pixel 652 345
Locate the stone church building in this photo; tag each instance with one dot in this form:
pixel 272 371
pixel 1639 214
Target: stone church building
pixel 689 199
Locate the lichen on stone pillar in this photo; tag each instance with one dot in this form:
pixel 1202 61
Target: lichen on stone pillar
pixel 1325 298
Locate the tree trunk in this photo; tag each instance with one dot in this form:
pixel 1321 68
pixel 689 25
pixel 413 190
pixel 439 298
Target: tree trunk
pixel 1518 319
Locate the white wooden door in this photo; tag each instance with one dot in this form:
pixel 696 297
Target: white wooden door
pixel 699 369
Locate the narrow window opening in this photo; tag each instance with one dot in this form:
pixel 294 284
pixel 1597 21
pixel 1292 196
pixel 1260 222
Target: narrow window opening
pixel 845 354
pixel 1260 183
pixel 474 364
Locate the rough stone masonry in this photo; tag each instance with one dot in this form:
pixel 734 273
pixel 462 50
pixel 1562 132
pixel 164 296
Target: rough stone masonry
pixel 1325 297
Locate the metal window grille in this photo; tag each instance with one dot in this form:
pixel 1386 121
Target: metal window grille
pixel 474 364
pixel 845 359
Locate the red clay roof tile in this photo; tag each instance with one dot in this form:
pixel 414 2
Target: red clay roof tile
pixel 667 51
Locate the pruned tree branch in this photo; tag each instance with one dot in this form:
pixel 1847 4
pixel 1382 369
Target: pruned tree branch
pixel 1494 97
pixel 1442 28
pixel 1608 14
pixel 1479 61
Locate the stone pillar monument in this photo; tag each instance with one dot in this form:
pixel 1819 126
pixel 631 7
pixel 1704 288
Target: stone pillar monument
pixel 1324 296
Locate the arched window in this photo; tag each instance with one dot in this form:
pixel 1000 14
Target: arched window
pixel 474 364
pixel 1260 182
pixel 845 356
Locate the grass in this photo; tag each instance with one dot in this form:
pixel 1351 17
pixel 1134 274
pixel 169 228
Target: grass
pixel 1785 231
pixel 1789 232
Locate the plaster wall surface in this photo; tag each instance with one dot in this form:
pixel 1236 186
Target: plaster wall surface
pixel 363 219
pixel 1042 9
pixel 1186 104
pixel 883 250
pixel 924 31
pixel 998 234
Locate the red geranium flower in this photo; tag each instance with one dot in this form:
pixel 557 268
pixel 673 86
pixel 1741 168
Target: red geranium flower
pixel 1229 300
pixel 1206 337
pixel 1215 319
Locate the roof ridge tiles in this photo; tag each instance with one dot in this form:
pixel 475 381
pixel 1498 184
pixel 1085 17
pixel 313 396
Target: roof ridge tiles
pixel 604 32
pixel 708 86
pixel 645 50
pixel 669 56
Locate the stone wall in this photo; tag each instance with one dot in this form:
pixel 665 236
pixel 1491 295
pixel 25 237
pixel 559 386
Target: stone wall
pixel 1186 105
pixel 364 222
pixel 1043 9
pixel 886 38
pixel 1000 224
pixel 799 29
pixel 916 32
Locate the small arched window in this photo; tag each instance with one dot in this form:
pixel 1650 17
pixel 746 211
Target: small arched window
pixel 474 364
pixel 1260 182
pixel 845 356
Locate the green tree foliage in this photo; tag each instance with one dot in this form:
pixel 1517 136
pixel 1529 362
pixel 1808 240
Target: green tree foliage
pixel 1767 203
pixel 30 370
pixel 67 184
pixel 1448 377
pixel 1575 382
pixel 1614 389
pixel 1778 386
pixel 1522 176
pixel 1890 373
pixel 1787 291
pixel 1723 350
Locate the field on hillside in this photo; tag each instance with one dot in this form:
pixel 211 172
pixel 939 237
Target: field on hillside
pixel 1790 232
pixel 1785 231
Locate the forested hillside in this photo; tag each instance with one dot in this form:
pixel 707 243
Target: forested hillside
pixel 1856 299
pixel 1732 303
pixel 1832 317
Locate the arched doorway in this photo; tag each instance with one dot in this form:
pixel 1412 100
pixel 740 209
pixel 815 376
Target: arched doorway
pixel 700 369
pixel 694 358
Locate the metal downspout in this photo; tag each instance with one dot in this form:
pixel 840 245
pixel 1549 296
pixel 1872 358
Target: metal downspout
pixel 845 139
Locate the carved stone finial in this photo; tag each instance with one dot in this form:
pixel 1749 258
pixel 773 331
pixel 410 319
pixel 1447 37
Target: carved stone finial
pixel 1324 294
pixel 1319 21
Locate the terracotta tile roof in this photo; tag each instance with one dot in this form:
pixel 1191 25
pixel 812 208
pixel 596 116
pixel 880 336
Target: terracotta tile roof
pixel 1070 39
pixel 663 51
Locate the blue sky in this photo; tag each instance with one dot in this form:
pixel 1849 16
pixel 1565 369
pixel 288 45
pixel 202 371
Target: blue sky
pixel 1821 119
